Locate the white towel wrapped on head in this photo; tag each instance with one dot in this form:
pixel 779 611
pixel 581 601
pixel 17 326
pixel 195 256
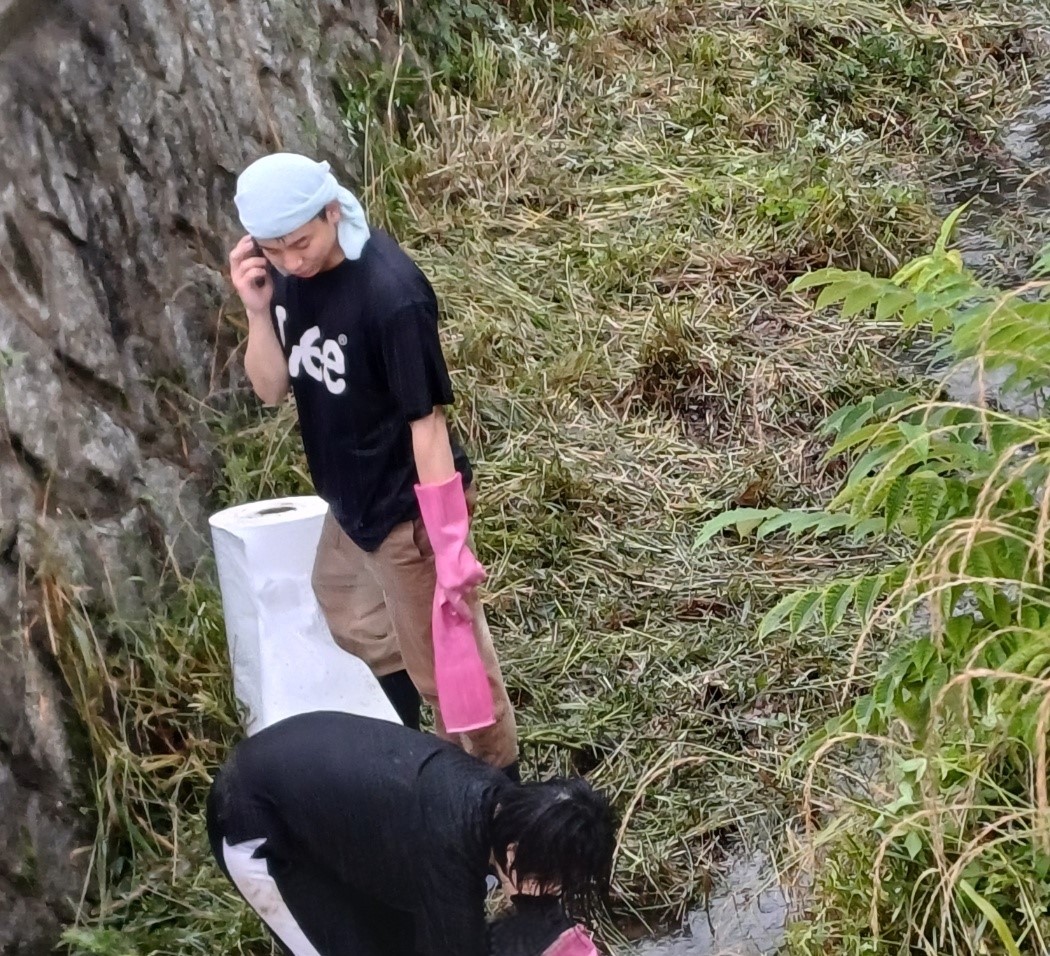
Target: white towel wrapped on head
pixel 282 192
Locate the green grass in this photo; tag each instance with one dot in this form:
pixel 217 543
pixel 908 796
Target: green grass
pixel 610 199
pixel 945 847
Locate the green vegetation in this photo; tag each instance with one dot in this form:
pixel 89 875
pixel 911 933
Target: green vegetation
pixel 612 200
pixel 947 849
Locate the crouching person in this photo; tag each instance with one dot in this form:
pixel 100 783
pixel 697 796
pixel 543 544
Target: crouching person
pixel 351 836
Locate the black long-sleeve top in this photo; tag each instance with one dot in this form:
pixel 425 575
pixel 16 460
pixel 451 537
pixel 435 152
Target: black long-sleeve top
pixel 396 816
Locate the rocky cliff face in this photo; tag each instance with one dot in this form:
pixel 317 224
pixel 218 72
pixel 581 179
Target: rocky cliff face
pixel 124 124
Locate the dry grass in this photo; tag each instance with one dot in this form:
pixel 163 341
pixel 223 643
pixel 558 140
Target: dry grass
pixel 610 213
pixel 610 204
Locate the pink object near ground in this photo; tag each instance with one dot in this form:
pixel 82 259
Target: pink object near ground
pixel 463 690
pixel 573 942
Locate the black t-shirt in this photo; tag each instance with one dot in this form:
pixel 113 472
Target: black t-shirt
pixel 396 816
pixel 365 360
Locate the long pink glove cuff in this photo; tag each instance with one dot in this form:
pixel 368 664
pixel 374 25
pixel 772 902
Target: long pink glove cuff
pixel 464 694
pixel 463 690
pixel 443 508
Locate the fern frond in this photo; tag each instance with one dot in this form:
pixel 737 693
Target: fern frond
pixel 743 520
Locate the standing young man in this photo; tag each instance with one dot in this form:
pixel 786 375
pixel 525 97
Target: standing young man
pixel 338 312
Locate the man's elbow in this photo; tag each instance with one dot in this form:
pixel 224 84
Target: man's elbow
pixel 270 388
pixel 272 393
pixel 267 390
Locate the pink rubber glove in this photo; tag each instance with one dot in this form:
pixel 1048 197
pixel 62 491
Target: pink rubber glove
pixel 444 511
pixel 463 689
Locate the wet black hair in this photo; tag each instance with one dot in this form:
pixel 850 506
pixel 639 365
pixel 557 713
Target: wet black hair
pixel 563 833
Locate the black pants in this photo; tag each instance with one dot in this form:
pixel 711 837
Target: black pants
pixel 308 910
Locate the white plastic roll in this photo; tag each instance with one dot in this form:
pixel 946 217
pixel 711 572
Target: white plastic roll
pixel 283 657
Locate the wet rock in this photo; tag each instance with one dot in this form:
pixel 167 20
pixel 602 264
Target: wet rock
pixel 124 125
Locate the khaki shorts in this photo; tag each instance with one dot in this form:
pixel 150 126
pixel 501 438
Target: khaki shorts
pixel 378 606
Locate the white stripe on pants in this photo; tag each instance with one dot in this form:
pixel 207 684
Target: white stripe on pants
pixel 252 877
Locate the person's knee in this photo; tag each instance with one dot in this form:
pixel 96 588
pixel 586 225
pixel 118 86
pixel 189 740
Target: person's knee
pixel 365 639
pixel 322 587
pixel 317 587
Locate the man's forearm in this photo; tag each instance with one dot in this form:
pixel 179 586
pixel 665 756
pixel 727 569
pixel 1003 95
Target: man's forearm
pixel 432 449
pixel 264 360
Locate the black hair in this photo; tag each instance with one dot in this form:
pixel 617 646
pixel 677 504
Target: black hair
pixel 563 833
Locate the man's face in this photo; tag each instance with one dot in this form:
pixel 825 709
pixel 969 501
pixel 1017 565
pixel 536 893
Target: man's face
pixel 308 250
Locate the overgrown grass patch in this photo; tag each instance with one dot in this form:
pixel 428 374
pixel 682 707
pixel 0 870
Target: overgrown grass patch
pixel 945 847
pixel 611 199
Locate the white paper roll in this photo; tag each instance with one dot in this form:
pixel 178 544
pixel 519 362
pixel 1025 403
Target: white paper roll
pixel 283 657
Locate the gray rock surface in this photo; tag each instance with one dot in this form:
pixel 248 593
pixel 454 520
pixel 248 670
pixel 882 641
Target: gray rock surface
pixel 124 124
